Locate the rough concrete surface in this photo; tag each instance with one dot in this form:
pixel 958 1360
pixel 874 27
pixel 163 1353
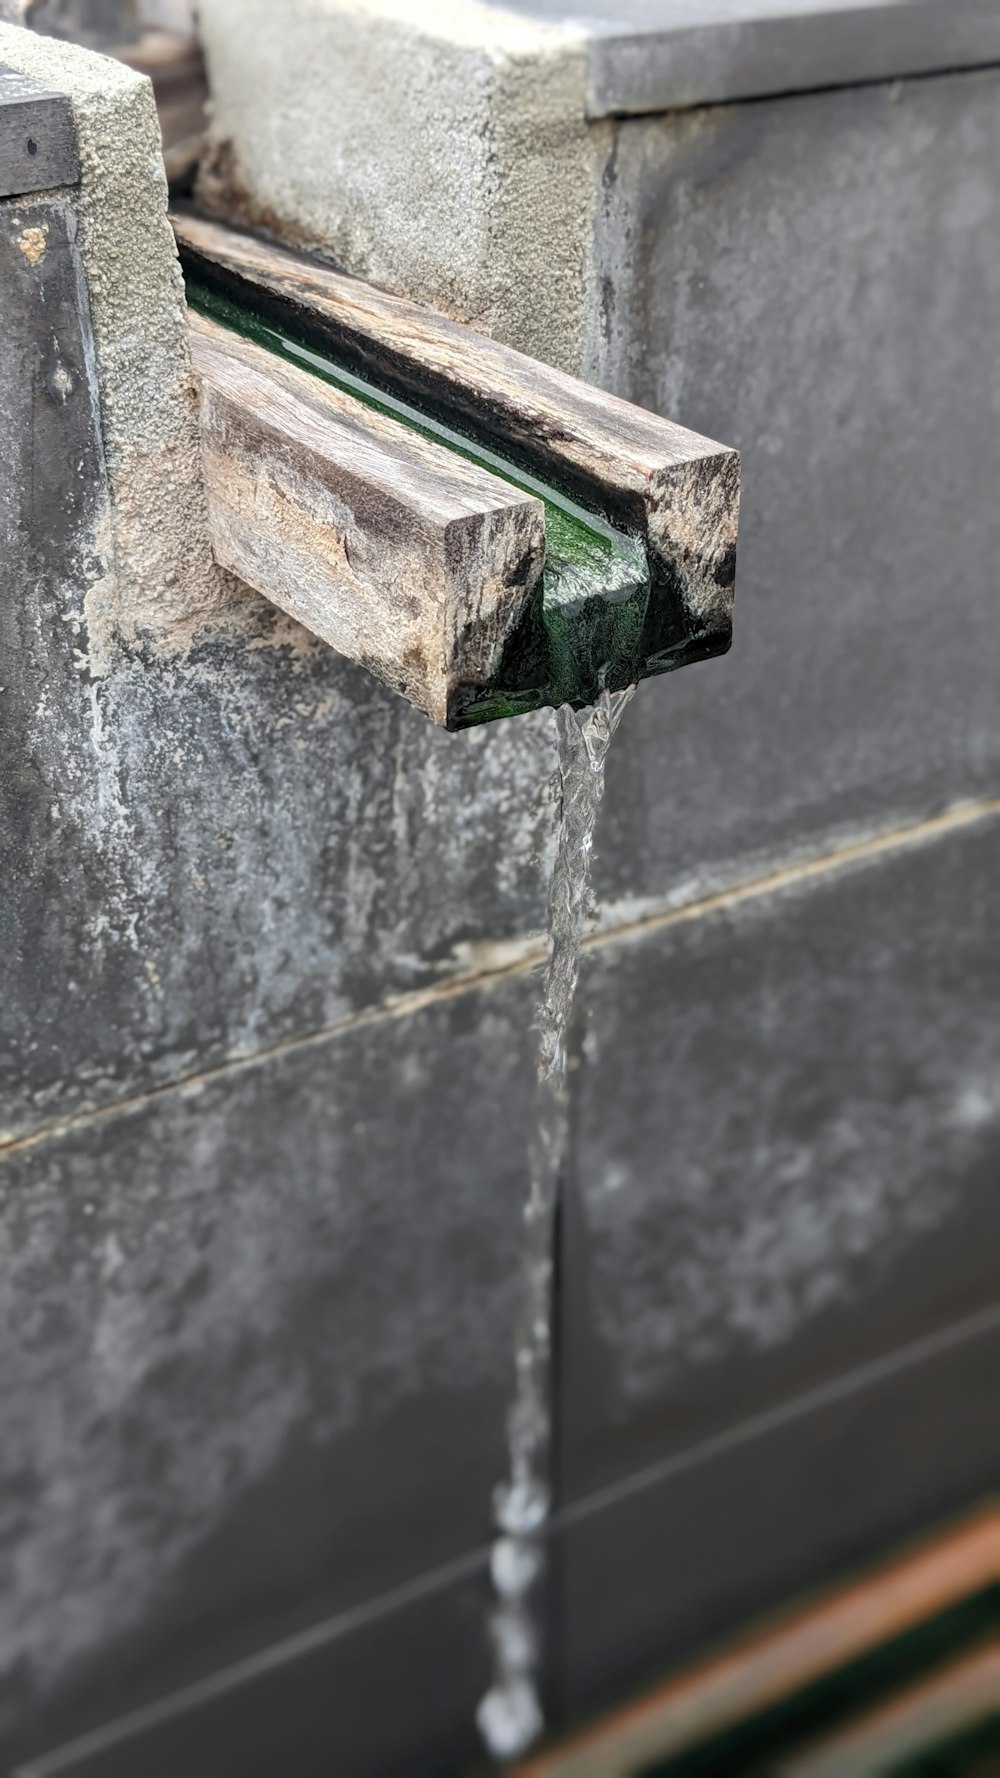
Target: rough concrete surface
pixel 165 582
pixel 222 1338
pixel 203 862
pixel 816 280
pixel 771 1514
pixel 440 151
pixel 159 863
pixel 427 1648
pixel 801 1173
pixel 155 846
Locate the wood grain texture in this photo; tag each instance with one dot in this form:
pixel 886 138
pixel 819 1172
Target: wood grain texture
pixel 38 148
pixel 680 490
pixel 917 1722
pixel 769 1666
pixel 402 556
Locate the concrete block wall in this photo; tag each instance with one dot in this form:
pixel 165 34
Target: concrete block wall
pixel 267 1091
pixel 781 1305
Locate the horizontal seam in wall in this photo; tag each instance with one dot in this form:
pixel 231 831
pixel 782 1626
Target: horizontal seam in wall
pixel 978 1325
pixel 528 953
pixel 437 1580
pixel 801 873
pixel 256 1666
pixel 861 82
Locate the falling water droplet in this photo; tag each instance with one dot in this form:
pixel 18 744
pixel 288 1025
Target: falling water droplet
pixel 521 1507
pixel 509 1718
pixel 514 1567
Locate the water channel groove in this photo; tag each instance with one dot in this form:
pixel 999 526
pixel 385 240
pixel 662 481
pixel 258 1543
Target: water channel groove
pixel 596 584
pixel 510 1716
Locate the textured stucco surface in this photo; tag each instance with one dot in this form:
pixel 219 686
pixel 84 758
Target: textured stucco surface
pixel 440 151
pixel 164 584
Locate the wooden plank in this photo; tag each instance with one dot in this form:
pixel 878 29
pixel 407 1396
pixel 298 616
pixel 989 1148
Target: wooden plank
pixel 916 1722
pixel 402 556
pixel 38 148
pixel 766 1668
pixel 678 489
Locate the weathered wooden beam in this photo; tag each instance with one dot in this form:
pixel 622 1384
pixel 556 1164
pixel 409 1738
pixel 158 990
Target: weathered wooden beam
pixel 38 148
pixel 401 555
pixel 680 491
pixel 912 1728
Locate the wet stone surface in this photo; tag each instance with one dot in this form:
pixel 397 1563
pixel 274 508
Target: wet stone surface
pixel 271 1314
pixel 217 855
pixel 797 1174
pixel 838 233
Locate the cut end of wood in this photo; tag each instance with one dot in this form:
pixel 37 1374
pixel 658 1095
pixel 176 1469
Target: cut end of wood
pixel 693 520
pixel 399 554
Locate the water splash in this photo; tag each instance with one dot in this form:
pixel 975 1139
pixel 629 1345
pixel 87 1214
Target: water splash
pixel 510 1716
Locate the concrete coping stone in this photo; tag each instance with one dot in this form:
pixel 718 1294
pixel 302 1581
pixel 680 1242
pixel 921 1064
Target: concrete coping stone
pixel 663 55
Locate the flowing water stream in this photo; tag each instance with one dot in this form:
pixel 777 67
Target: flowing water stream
pixel 510 1715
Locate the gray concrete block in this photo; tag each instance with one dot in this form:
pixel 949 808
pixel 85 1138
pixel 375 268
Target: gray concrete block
pixel 787 1144
pixel 816 279
pixel 258 1354
pixel 206 850
pixel 392 1695
pixel 657 1574
pixel 259 1339
pixel 205 859
pixel 646 55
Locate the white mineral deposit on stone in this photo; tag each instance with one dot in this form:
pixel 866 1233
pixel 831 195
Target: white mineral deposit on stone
pixel 510 1716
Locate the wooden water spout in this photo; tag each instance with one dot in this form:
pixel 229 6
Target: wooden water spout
pixel 483 532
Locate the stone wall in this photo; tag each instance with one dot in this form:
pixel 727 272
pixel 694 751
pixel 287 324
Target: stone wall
pixel 267 947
